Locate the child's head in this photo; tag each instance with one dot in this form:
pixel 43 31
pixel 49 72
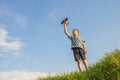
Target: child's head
pixel 75 32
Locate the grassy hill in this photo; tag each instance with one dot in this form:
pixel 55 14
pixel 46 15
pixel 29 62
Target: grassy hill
pixel 108 68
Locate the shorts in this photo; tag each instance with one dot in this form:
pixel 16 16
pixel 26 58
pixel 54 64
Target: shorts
pixel 79 53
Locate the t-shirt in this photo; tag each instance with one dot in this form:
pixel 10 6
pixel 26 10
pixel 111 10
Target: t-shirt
pixel 76 41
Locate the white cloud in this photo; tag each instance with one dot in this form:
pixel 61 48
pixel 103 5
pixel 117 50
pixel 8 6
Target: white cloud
pixel 8 14
pixel 21 75
pixel 8 43
pixel 25 75
pixel 53 15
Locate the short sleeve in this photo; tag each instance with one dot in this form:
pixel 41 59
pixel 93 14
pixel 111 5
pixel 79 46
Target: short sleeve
pixel 83 40
pixel 69 36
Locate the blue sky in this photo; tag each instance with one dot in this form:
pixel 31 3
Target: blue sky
pixel 32 38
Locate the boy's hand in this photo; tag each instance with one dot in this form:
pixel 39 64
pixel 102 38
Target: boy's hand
pixel 65 23
pixel 85 52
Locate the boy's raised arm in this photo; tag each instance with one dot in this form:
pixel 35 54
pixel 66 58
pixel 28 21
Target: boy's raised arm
pixel 65 29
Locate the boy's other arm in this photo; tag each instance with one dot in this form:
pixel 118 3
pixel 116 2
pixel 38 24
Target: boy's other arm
pixel 84 47
pixel 65 29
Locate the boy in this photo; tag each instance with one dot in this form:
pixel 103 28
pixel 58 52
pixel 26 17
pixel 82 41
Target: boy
pixel 78 47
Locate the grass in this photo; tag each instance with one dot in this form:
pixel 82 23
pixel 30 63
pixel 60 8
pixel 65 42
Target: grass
pixel 108 68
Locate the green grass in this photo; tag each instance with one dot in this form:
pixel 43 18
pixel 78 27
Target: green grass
pixel 108 68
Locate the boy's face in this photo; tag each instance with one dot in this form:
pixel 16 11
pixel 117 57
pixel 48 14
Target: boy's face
pixel 75 32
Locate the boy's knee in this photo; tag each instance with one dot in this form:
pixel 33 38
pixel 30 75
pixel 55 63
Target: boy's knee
pixel 78 61
pixel 84 61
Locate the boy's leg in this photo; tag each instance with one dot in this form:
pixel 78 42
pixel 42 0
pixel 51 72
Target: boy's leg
pixel 79 65
pixel 82 54
pixel 85 64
